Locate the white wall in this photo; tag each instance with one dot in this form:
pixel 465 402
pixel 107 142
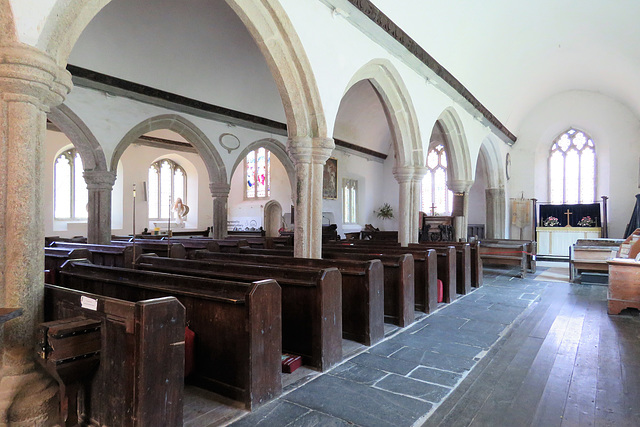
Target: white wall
pixel 615 131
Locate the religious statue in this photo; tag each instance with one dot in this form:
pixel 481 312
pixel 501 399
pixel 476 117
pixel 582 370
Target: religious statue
pixel 181 210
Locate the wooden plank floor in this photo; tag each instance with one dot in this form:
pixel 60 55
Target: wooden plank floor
pixel 565 363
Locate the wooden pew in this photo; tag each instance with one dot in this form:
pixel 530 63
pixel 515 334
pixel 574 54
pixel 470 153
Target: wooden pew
pixel 463 263
pixel 311 302
pixel 107 255
pixel 362 289
pixel 505 254
pixel 428 269
pixel 142 349
pixel 530 249
pixel 238 326
pixel 398 280
pixel 162 248
pixel 477 276
pixel 55 257
pixel 591 255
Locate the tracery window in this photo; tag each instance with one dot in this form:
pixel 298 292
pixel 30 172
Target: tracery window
pixel 572 168
pixel 437 199
pixel 70 194
pixel 167 183
pixel 350 201
pixel 258 172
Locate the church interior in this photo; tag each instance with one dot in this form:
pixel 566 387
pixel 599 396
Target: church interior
pixel 477 162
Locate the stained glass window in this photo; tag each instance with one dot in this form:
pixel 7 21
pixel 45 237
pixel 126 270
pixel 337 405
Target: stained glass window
pixel 258 173
pixel 572 168
pixel 70 194
pixel 350 200
pixel 436 197
pixel 167 183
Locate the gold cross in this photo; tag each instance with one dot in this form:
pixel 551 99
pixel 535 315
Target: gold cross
pixel 567 213
pixel 433 209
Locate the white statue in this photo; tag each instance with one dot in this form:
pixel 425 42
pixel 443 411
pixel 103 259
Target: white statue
pixel 181 210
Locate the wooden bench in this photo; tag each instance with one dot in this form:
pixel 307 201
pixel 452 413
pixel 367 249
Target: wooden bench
pixel 591 255
pixel 142 349
pixel 238 326
pixel 107 255
pixel 163 248
pixel 477 276
pixel 55 257
pixel 311 302
pixel 505 254
pixel 463 262
pixel 530 249
pixel 362 289
pixel 398 280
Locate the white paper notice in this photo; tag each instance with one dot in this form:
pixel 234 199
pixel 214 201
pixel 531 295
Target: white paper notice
pixel 89 303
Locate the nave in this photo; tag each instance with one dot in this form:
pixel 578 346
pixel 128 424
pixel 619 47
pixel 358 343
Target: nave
pixel 515 352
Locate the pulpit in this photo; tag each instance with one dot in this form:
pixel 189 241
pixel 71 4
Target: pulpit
pixel 436 229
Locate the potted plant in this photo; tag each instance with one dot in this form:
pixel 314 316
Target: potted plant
pixel 385 211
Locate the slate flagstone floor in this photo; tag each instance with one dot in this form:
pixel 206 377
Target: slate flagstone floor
pixel 401 380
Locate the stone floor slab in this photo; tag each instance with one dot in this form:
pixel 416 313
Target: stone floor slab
pixel 413 388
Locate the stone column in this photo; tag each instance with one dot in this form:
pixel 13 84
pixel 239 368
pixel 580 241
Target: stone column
pixel 461 222
pixel 100 186
pixel 220 194
pixel 309 156
pixel 406 216
pixel 416 192
pixel 496 214
pixel 30 83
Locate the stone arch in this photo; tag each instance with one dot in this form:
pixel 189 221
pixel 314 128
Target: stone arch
pixel 397 102
pixel 278 150
pixel 494 162
pixel 186 129
pixel 268 24
pixel 457 147
pixel 495 194
pixel 272 218
pixel 91 153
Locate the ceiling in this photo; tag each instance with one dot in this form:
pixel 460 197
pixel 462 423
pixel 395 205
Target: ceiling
pixel 512 55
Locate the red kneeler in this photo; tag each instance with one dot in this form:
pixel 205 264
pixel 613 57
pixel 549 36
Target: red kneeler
pixel 440 291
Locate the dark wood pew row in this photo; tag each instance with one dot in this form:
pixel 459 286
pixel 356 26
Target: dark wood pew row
pixel 142 349
pixel 55 257
pixel 511 253
pixel 399 279
pixel 428 269
pixel 362 289
pixel 463 263
pixel 263 242
pixel 530 249
pixel 107 255
pixel 227 246
pixel 477 276
pixel 311 302
pixel 238 326
pixel 163 248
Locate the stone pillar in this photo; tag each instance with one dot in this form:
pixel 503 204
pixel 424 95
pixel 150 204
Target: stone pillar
pixel 496 214
pixel 406 214
pixel 220 194
pixel 416 193
pixel 461 222
pixel 309 156
pixel 30 83
pixel 100 186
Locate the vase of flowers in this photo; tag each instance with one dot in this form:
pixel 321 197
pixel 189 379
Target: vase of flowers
pixel 385 211
pixel 552 221
pixel 586 221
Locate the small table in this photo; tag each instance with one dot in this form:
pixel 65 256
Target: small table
pixel 7 314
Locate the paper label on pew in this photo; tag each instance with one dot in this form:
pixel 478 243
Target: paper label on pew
pixel 88 303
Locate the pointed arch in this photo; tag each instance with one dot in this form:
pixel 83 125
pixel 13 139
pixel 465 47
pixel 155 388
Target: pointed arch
pixel 277 149
pixel 91 153
pixel 492 157
pixel 186 129
pixel 457 146
pixel 399 108
pixel 268 24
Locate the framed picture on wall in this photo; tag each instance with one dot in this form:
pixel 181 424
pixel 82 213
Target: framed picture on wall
pixel 330 179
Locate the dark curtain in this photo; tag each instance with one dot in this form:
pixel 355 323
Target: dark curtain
pixel 577 213
pixel 634 222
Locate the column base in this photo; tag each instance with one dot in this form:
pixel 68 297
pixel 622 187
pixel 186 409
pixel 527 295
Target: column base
pixel 28 399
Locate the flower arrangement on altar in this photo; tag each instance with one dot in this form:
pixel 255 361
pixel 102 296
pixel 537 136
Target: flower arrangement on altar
pixel 552 221
pixel 586 221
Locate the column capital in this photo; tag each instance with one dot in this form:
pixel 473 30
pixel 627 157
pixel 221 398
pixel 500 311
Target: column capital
pixel 305 149
pixel 419 172
pixel 28 74
pixel 99 180
pixel 403 173
pixel 459 185
pixel 219 189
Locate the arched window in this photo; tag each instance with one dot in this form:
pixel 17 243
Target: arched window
pixel 167 183
pixel 436 197
pixel 70 194
pixel 350 200
pixel 572 168
pixel 257 167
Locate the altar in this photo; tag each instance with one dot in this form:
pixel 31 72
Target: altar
pixel 556 240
